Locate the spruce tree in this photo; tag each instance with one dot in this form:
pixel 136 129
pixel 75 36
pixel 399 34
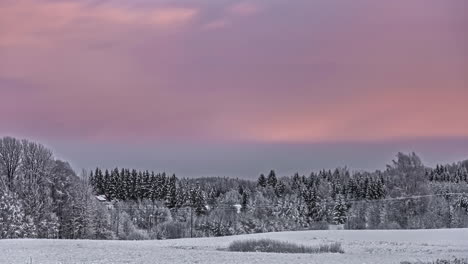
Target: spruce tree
pixel 99 182
pixel 272 180
pixel 339 211
pixel 106 184
pixel 311 199
pixel 198 199
pixel 280 189
pixel 261 182
pixel 245 201
pixel 171 196
pixel 152 187
pixel 134 185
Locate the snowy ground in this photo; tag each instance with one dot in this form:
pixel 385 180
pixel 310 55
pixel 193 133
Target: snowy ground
pixel 360 246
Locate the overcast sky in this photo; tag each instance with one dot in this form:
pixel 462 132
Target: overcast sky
pixel 224 87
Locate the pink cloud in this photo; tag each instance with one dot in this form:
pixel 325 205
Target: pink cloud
pixel 170 16
pixel 216 24
pixel 110 71
pixel 44 17
pixel 244 9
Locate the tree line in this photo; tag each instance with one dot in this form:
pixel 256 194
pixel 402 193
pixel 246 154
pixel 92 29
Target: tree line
pixel 42 197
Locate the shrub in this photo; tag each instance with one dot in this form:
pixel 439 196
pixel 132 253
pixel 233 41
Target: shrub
pixel 322 225
pixel 273 246
pixel 137 234
pixel 171 230
pixel 129 229
pixel 440 261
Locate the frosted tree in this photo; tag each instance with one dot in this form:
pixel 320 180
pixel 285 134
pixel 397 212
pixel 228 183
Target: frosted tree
pixel 272 180
pixel 312 202
pixel 280 189
pixel 107 186
pixel 36 161
pixel 98 182
pixel 198 199
pixel 245 201
pixel 102 227
pixel 11 216
pixel 10 158
pixel 171 196
pixel 262 182
pixel 161 187
pixel 339 211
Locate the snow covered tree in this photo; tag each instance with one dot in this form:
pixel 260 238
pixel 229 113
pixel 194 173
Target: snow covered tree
pixel 198 199
pixel 161 187
pixel 280 188
pixel 98 182
pixel 262 182
pixel 171 196
pixel 462 203
pixel 272 180
pixel 102 227
pixel 340 211
pixel 245 201
pixel 314 210
pixel 10 158
pixel 13 222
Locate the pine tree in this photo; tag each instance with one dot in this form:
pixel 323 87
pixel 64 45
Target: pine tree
pixel 107 184
pixel 198 199
pixel 296 182
pixel 126 183
pixel 152 187
pixel 240 189
pixel 245 201
pixel 272 180
pixel 181 197
pixel 311 199
pixel 133 193
pixel 91 179
pixel 340 211
pixel 113 185
pixel 261 182
pixel 139 186
pixel 161 187
pixel 171 196
pixel 98 182
pixel 280 189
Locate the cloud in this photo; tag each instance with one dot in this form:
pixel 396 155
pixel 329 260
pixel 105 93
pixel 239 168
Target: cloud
pixel 27 22
pixel 216 24
pixel 171 16
pixel 110 71
pixel 238 9
pixel 244 9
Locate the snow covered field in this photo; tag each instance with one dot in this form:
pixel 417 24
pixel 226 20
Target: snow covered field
pixel 367 246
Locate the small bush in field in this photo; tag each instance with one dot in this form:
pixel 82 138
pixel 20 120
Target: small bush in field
pixel 273 246
pixel 440 261
pixel 171 230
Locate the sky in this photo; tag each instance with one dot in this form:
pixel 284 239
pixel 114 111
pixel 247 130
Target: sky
pixel 233 87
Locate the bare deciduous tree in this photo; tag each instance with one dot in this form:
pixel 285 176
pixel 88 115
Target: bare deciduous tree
pixel 10 158
pixel 36 160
